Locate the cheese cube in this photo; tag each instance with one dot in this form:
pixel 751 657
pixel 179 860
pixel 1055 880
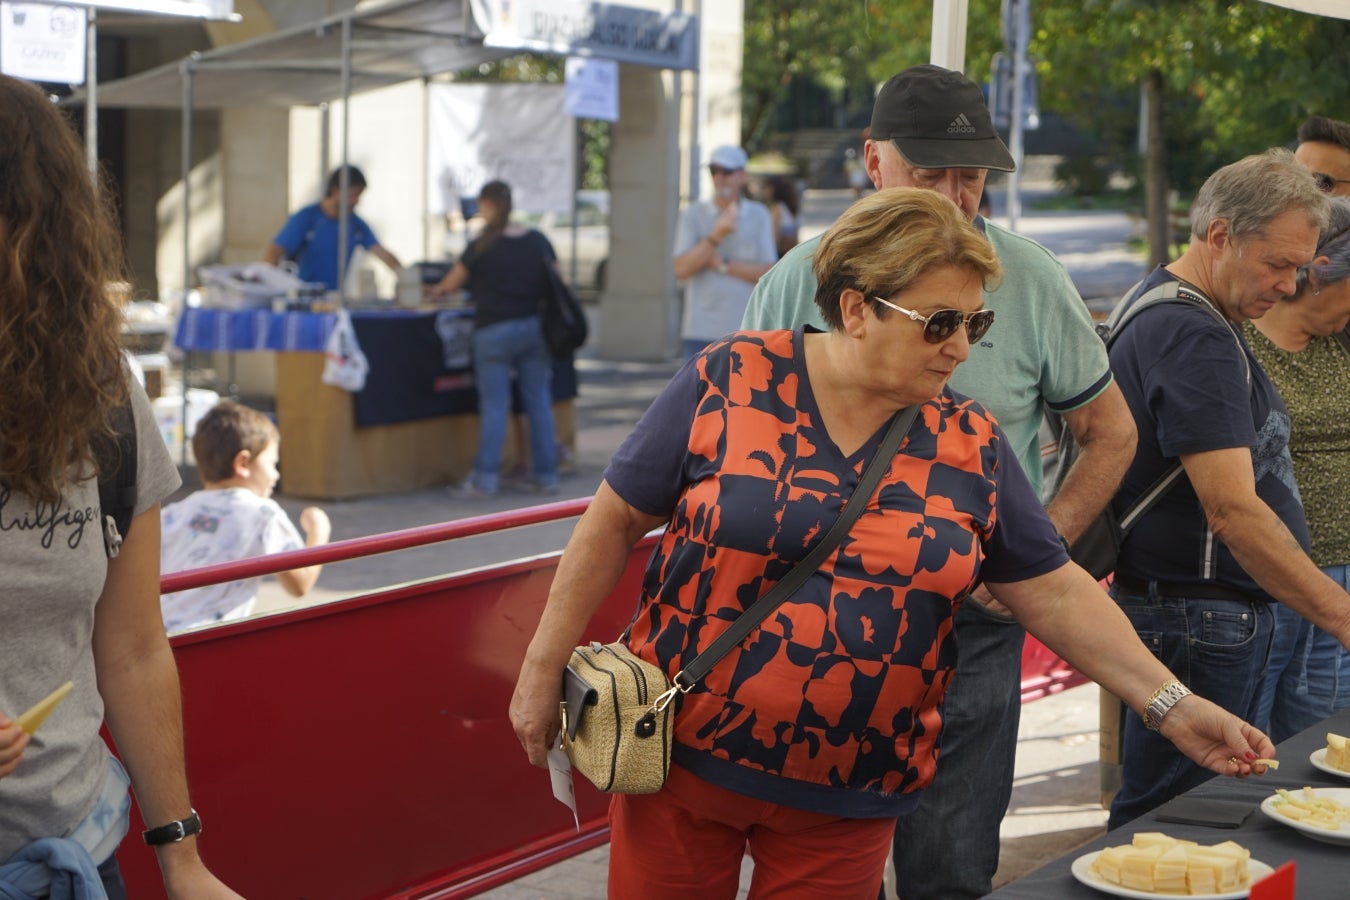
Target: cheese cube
pixel 1137 871
pixel 1338 752
pixel 1169 872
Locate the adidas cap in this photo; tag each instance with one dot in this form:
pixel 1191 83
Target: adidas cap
pixel 938 120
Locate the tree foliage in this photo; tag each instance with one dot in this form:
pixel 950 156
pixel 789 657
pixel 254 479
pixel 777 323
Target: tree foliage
pixel 1239 74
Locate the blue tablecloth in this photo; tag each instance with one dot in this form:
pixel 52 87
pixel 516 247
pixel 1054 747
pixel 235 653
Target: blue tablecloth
pixel 252 329
pixel 420 361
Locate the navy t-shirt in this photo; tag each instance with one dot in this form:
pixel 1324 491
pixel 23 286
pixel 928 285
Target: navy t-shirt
pixel 1183 377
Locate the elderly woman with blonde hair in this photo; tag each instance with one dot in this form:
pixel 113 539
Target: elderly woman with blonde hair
pixel 806 741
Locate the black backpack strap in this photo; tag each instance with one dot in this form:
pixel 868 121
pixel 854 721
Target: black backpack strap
pixel 116 461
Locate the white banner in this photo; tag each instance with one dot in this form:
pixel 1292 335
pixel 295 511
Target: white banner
pixel 40 42
pixel 517 133
pixel 592 88
pixel 646 37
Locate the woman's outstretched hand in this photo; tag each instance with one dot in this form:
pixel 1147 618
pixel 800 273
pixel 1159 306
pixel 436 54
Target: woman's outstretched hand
pixel 1216 739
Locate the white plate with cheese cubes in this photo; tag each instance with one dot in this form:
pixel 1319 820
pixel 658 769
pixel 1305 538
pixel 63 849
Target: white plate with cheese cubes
pixel 1082 870
pixel 1319 761
pixel 1325 813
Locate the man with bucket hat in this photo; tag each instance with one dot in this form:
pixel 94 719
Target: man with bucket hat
pixel 930 129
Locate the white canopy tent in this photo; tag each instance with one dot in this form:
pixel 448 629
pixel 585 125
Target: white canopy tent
pixel 1332 9
pixel 343 55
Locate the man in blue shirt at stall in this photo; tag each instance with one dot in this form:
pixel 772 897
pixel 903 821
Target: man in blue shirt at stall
pixel 310 237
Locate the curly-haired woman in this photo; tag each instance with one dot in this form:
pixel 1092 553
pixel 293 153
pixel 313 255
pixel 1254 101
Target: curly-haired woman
pixel 75 609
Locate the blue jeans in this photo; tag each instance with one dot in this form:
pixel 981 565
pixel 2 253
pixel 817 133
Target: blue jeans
pixel 514 346
pixel 1309 674
pixel 1219 649
pixel 111 876
pixel 947 848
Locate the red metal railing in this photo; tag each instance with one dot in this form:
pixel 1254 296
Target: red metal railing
pixel 360 749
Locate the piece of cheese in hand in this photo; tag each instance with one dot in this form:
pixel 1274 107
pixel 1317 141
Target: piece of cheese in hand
pixel 35 716
pixel 1268 763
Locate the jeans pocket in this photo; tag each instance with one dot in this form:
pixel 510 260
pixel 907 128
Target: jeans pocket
pixel 1225 629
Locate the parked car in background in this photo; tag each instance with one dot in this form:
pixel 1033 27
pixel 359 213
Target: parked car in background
pixel 591 244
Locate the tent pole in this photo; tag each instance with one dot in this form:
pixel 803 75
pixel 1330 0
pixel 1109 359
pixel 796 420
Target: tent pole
pixel 91 92
pixel 186 174
pixel 344 223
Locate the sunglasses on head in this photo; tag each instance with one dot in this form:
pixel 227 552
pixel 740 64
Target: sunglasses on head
pixel 1326 184
pixel 719 170
pixel 942 324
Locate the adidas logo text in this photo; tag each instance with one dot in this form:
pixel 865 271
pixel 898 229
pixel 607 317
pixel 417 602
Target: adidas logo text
pixel 961 125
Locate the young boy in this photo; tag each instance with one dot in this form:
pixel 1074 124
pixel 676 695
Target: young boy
pixel 233 517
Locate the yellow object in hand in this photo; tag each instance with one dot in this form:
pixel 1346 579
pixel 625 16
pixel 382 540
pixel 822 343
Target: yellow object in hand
pixel 35 716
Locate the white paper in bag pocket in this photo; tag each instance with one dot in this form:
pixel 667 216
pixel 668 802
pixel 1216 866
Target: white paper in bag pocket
pixel 345 366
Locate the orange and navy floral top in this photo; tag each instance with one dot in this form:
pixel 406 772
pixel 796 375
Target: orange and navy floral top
pixel 834 704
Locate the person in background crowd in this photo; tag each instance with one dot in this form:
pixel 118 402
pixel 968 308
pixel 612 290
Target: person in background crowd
pixel 233 517
pixel 1303 347
pixel 930 129
pixel 781 198
pixel 505 270
pixel 310 237
pixel 1229 539
pixel 722 247
pixel 1324 147
pixel 807 741
pixel 74 608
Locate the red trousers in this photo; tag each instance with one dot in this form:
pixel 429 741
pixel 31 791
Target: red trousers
pixel 687 840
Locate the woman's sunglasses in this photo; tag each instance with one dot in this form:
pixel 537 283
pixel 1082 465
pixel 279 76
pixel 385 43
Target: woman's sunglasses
pixel 1326 183
pixel 943 324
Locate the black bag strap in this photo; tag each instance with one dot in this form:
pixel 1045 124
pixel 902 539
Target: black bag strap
pixel 698 667
pixel 1343 338
pixel 1168 292
pixel 299 251
pixel 116 461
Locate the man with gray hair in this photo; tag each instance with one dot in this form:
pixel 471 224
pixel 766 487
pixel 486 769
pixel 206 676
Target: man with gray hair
pixel 1199 571
pixel 930 129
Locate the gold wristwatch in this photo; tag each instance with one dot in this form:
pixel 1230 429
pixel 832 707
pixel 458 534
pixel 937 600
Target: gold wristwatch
pixel 1162 701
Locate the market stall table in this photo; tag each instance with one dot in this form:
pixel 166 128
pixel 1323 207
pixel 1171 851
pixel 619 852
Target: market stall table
pixel 1323 868
pixel 415 423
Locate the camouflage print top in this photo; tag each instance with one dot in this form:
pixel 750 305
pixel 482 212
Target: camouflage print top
pixel 1315 384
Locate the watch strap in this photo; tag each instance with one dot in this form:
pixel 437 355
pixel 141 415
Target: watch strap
pixel 1162 701
pixel 173 832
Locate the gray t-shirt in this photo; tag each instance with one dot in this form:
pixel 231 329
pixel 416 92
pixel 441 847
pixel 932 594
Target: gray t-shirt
pixel 714 302
pixel 54 567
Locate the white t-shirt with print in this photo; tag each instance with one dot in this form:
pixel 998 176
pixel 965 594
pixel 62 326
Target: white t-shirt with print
pixel 210 527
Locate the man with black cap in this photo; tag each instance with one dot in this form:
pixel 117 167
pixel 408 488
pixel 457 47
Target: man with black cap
pixel 722 247
pixel 930 129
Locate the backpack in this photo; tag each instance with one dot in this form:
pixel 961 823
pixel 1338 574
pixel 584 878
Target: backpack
pixel 562 319
pixel 116 459
pixel 1098 547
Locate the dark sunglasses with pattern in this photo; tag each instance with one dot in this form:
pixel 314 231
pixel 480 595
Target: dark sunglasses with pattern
pixel 715 171
pixel 940 325
pixel 1326 183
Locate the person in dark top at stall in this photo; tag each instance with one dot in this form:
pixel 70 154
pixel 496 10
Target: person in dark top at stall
pixel 505 270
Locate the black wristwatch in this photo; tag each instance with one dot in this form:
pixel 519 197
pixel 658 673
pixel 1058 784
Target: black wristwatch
pixel 174 831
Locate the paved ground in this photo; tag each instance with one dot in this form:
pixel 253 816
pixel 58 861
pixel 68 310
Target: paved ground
pixel 1055 805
